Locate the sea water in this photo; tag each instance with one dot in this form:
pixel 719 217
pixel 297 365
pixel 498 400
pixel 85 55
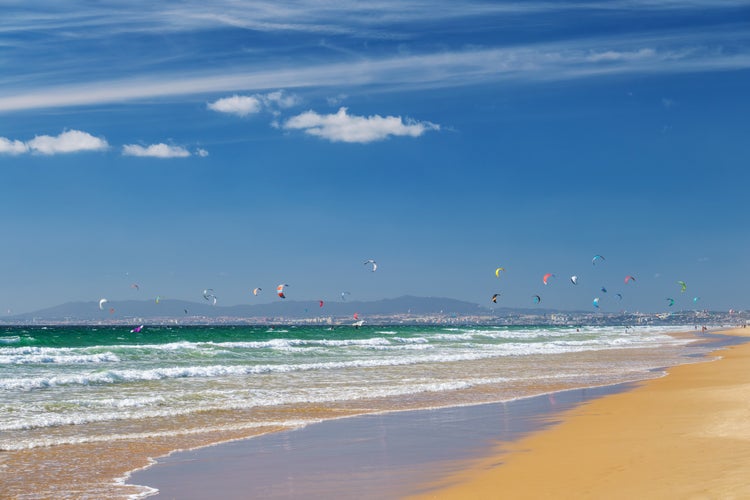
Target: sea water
pixel 80 406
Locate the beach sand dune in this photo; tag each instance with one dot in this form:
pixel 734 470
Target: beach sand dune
pixel 686 435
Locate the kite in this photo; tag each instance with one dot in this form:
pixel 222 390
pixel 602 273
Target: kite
pixel 494 298
pixel 696 299
pixel 137 329
pixel 344 294
pixel 619 296
pixel 671 301
pixel 356 316
pixel 574 280
pixel 280 290
pixel 546 278
pixel 537 299
pixel 208 294
pixel 629 278
pixel 596 302
pixel 321 303
pixel 683 286
pixel 135 285
pixel 374 264
pixel 497 271
pixel 597 257
pixel 604 290
pixel 101 303
pixel 157 299
pixel 256 290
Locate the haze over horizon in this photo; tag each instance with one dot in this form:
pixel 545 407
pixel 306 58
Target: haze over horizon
pixel 246 144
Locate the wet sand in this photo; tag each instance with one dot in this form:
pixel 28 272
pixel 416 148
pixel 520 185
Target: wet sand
pixel 365 457
pixel 686 435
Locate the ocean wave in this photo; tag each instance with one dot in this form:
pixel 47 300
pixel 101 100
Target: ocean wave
pixel 14 339
pixel 457 353
pixel 284 343
pixel 143 407
pixel 140 436
pixel 60 359
pixel 88 412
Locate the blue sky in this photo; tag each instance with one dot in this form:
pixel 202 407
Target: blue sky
pixel 184 146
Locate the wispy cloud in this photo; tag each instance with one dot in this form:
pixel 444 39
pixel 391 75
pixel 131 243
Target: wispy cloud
pixel 615 55
pixel 160 150
pixel 343 127
pixel 303 15
pixel 573 60
pixel 70 141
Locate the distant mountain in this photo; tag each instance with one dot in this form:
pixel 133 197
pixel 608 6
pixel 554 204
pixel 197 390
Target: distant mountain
pixel 169 308
pixel 288 308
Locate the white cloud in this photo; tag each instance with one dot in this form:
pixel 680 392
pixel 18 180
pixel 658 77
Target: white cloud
pixel 70 141
pixel 342 127
pixel 160 150
pixel 237 105
pixel 280 99
pixel 243 105
pixel 12 147
pixel 201 152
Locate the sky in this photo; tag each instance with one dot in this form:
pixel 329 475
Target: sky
pixel 237 144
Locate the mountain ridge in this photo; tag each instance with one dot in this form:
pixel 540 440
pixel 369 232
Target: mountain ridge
pixel 175 308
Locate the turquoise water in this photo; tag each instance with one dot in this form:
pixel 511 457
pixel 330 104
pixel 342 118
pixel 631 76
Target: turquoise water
pixel 55 376
pixel 68 387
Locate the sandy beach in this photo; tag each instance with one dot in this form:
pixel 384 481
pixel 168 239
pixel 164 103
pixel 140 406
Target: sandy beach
pixel 686 435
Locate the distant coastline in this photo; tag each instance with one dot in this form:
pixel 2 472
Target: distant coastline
pixel 405 310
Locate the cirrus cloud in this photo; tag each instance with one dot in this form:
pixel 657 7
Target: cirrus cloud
pixel 70 141
pixel 343 127
pixel 160 150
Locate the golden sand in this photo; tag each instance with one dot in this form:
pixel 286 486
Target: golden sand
pixel 686 435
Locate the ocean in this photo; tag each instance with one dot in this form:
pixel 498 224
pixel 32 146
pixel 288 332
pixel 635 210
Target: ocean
pixel 82 406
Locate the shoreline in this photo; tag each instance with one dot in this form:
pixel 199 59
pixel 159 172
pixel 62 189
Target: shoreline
pixel 171 473
pixel 685 435
pixel 393 447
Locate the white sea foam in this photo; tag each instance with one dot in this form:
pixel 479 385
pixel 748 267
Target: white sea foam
pixel 62 359
pixel 140 408
pixel 467 352
pixel 285 343
pixel 139 436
